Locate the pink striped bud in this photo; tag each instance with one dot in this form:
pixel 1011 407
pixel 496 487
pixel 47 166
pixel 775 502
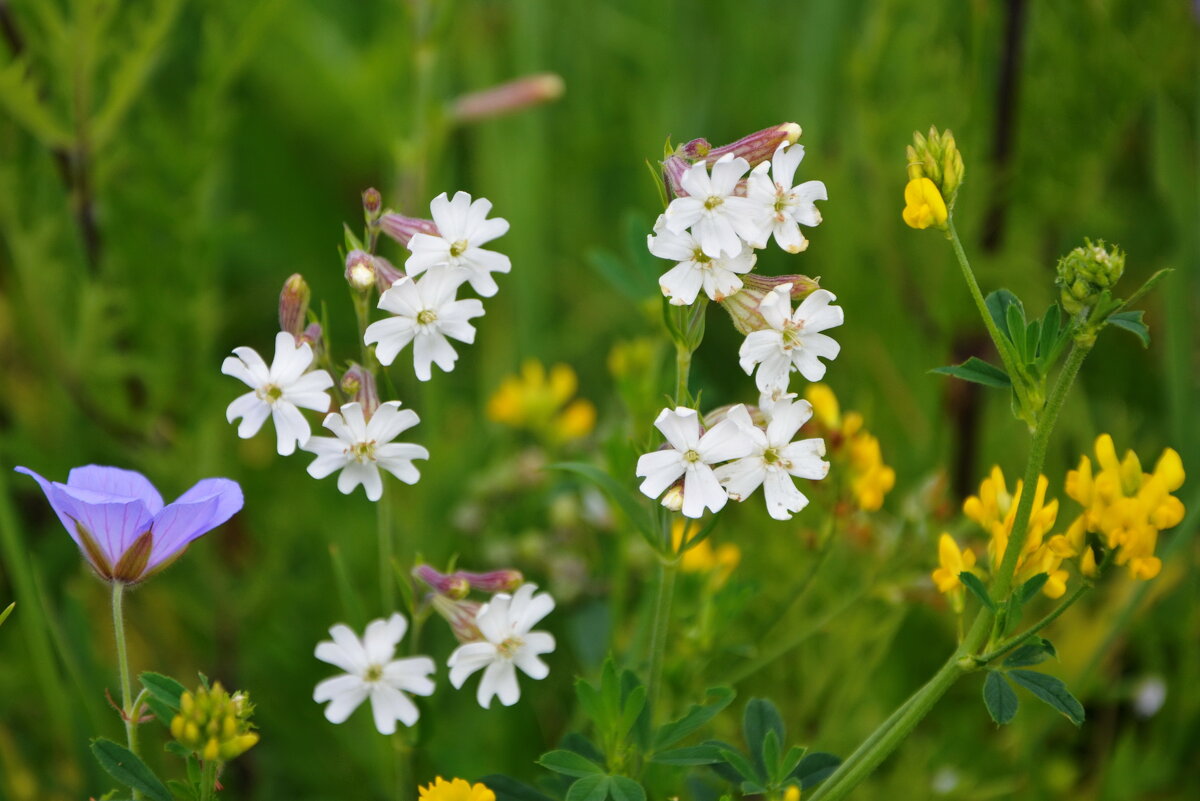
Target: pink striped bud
pixel 312 335
pixel 743 304
pixel 494 581
pixel 674 168
pixel 451 585
pixel 755 148
pixel 372 204
pixel 386 274
pixel 293 304
pixel 460 614
pixel 358 383
pixel 506 98
pixel 402 228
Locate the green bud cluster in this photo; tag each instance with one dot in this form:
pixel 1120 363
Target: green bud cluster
pixel 215 724
pixel 1087 272
pixel 936 157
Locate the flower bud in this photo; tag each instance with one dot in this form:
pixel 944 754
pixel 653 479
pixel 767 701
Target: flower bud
pixel 674 168
pixel 493 581
pixel 402 228
pixel 936 157
pixel 452 585
pixel 460 614
pixel 213 724
pixel 359 383
pixel 372 204
pixel 1086 272
pixel 312 335
pixel 743 304
pixel 673 497
pixel 386 274
pixel 755 148
pixel 360 270
pixel 505 98
pixel 293 304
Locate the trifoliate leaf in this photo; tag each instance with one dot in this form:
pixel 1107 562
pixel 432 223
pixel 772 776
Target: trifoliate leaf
pixel 997 304
pixel 569 763
pixel 671 733
pixel 1033 652
pixel 589 788
pixel 762 717
pixel 1131 321
pixel 622 788
pixel 1051 691
pixel 999 698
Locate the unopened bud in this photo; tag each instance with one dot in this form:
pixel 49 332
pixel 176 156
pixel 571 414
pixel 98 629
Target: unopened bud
pixel 293 304
pixel 461 615
pixel 1086 272
pixel 360 270
pixel 531 90
pixel 494 581
pixel 312 335
pixel 386 274
pixel 372 204
pixel 213 724
pixel 402 228
pixel 673 171
pixel 743 305
pixel 936 157
pixel 755 148
pixel 452 585
pixel 359 383
pixel 673 497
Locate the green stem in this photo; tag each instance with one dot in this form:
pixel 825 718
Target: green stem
pixel 208 780
pixel 387 550
pixel 1018 639
pixel 658 631
pixel 683 366
pixel 127 711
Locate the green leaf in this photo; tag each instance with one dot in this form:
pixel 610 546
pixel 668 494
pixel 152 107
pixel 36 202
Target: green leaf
pixel 576 743
pixel 1015 317
pixel 975 585
pixel 739 763
pixel 125 766
pixel 1051 691
pixel 999 698
pixel 816 767
pixel 691 755
pixel 593 705
pixel 998 304
pixel 977 371
pixel 620 495
pixel 183 790
pixel 640 729
pixel 770 755
pixel 1131 321
pixel 1151 282
pixel 1050 343
pixel 589 788
pixel 633 705
pixel 177 748
pixel 789 762
pixel 507 788
pixel 7 611
pixel 761 717
pixel 717 699
pixel 569 763
pixel 1034 652
pixel 622 788
pixel 21 97
pixel 1032 587
pixel 164 713
pixel 164 688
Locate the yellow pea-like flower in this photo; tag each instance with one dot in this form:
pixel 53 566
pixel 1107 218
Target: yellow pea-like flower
pixel 924 206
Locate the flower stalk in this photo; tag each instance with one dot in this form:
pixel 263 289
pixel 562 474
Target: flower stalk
pixel 127 712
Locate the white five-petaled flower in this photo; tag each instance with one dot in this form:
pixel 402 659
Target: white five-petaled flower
pixel 361 447
pixel 426 313
pixel 775 458
pixel 721 221
pixel 779 207
pixel 463 227
pixel 695 268
pixel 507 644
pixel 793 339
pixel 277 391
pixel 692 456
pixel 372 673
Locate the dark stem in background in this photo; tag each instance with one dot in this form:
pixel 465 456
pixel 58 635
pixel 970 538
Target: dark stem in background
pixel 964 407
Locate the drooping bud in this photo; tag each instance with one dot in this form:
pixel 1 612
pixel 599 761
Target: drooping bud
pixel 452 585
pixel 460 614
pixel 506 98
pixel 743 304
pixel 293 304
pixel 493 581
pixel 1087 272
pixel 213 724
pixel 936 157
pixel 372 204
pixel 755 148
pixel 386 274
pixel 360 270
pixel 359 383
pixel 674 168
pixel 402 228
pixel 673 497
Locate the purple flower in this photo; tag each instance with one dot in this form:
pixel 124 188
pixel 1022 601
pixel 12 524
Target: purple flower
pixel 117 518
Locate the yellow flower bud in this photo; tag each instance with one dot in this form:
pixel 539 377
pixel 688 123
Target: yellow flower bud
pixel 1087 565
pixel 924 206
pixel 1170 469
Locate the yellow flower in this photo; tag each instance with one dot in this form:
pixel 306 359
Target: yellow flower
pixel 719 562
pixel 924 206
pixel 952 562
pixel 870 478
pixel 535 401
pixel 1125 506
pixel 995 510
pixel 455 790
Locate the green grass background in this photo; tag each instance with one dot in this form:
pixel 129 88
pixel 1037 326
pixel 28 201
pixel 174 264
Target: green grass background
pixel 228 141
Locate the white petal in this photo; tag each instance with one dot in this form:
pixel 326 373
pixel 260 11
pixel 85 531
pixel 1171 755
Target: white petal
pixel 469 658
pixel 661 469
pixel 382 636
pixel 345 701
pixel 743 477
pixel 724 441
pixel 783 499
pixel 290 427
pixel 680 426
pixel 701 490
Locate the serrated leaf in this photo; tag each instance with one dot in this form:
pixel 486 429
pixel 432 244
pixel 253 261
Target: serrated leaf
pixel 568 763
pixel 507 788
pixel 1051 691
pixel 999 698
pixel 164 688
pixel 1131 321
pixel 997 304
pixel 973 583
pixel 589 788
pixel 761 716
pixel 1032 587
pixel 816 767
pixel 690 755
pixel 125 766
pixel 1031 653
pixel 619 494
pixel 717 699
pixel 623 788
pixel 977 371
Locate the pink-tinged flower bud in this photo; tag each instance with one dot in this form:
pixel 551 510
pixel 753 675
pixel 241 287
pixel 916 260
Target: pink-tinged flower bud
pixel 460 614
pixel 505 98
pixel 312 335
pixel 494 581
pixel 386 274
pixel 695 149
pixel 372 203
pixel 673 170
pixel 359 384
pixel 755 148
pixel 293 304
pixel 360 270
pixel 720 413
pixel 402 228
pixel 743 304
pixel 452 585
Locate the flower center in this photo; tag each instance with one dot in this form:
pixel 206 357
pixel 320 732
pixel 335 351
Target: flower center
pixel 701 258
pixel 508 649
pixel 270 393
pixel 426 317
pixel 791 336
pixel 374 673
pixel 362 452
pixel 691 456
pixel 458 248
pixel 771 456
pixel 713 201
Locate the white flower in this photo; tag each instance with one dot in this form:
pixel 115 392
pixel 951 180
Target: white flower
pixel 507 644
pixel 775 458
pixel 277 391
pixel 695 268
pixel 427 312
pixel 781 208
pixel 719 219
pixel 462 227
pixel 793 340
pixel 692 456
pixel 361 447
pixel 371 672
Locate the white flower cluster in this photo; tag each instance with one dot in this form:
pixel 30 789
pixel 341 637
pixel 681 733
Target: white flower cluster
pixel 711 231
pixel 505 644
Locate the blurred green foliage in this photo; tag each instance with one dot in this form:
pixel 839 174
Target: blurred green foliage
pixel 165 165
